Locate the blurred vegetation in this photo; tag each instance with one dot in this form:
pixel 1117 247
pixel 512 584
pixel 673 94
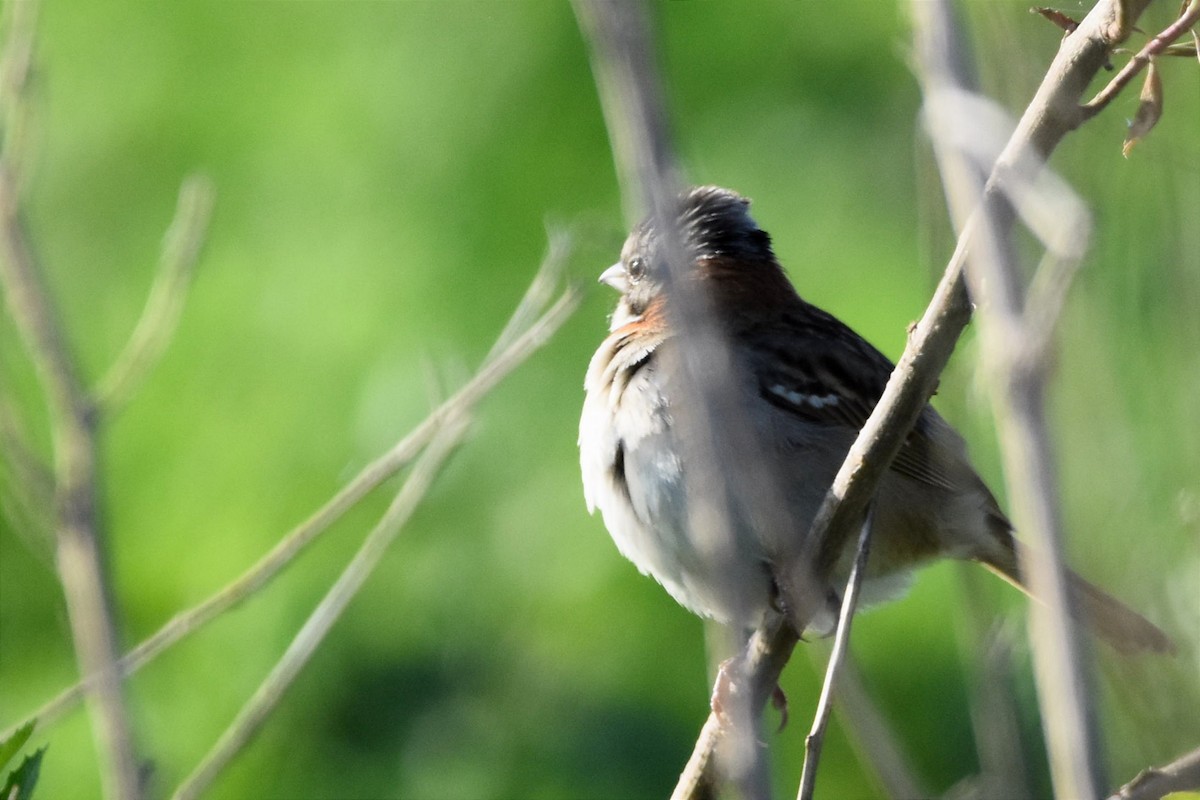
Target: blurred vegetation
pixel 385 175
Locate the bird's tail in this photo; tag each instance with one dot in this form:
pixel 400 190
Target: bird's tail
pixel 1118 624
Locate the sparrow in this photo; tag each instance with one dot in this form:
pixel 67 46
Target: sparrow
pixel 806 383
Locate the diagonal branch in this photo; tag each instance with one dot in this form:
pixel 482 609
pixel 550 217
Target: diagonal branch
pixel 1181 775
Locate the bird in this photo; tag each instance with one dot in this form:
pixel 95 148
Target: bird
pixel 806 384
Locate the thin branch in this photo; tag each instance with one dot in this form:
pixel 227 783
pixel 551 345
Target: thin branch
pixel 1063 673
pixel 164 304
pixel 1181 775
pixel 72 422
pixel 627 78
pixel 266 698
pixel 816 736
pixel 1187 18
pixel 718 444
pixel 265 569
pixel 949 75
pixel 912 383
pixel 1046 300
pixel 698 774
pixel 560 245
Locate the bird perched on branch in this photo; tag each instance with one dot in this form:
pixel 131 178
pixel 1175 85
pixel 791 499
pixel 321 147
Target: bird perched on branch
pixel 804 384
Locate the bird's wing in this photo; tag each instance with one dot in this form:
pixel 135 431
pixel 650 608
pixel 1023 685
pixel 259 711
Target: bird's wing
pixel 815 367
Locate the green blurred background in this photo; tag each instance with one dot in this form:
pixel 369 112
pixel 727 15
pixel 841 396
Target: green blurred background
pixel 386 172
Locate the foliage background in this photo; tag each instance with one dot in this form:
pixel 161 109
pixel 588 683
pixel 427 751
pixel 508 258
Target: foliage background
pixel 385 175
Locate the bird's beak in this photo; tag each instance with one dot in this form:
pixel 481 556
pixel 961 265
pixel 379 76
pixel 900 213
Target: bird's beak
pixel 615 277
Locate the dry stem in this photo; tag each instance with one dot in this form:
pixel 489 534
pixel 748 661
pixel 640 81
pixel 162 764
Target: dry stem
pixel 79 551
pixel 1181 775
pixel 295 541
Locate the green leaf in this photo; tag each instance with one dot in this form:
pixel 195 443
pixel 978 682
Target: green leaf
pixel 20 782
pixel 13 744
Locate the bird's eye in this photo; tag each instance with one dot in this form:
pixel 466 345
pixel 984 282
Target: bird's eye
pixel 636 269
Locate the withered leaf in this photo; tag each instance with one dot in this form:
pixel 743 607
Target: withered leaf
pixel 1185 50
pixel 1149 110
pixel 1057 17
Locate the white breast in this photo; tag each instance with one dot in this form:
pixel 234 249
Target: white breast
pixel 633 474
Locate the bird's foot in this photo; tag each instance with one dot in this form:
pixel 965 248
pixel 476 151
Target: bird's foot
pixel 731 680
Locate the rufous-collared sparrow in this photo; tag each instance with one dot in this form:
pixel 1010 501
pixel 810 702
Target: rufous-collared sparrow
pixel 807 383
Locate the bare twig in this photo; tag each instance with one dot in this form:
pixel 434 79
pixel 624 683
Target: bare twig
pixel 619 35
pixel 816 736
pixel 1187 18
pixel 72 421
pixel 265 569
pixel 941 62
pixel 635 112
pixel 698 774
pixel 266 698
pixel 181 248
pixel 559 246
pixel 1063 675
pixel 1181 775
